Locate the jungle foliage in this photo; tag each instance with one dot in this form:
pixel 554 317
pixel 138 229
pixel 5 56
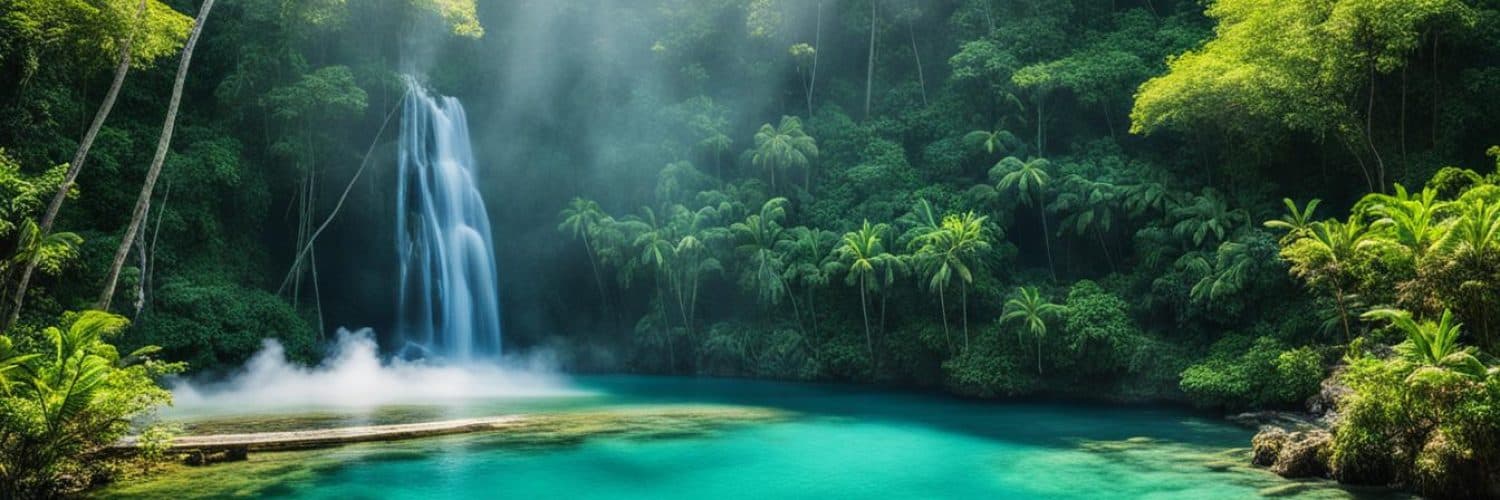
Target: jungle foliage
pixel 1116 199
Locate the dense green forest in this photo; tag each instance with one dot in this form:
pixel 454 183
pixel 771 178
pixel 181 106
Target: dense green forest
pixel 1235 204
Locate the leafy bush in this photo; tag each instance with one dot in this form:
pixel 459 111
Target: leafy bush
pixel 988 370
pixel 64 403
pixel 1435 434
pixel 1244 373
pixel 221 325
pixel 1099 329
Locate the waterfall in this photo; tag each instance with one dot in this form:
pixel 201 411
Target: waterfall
pixel 448 302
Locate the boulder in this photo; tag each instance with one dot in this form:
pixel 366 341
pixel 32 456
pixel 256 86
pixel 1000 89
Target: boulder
pixel 1266 445
pixel 1305 454
pixel 1292 454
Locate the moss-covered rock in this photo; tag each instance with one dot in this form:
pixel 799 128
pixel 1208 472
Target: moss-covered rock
pixel 1267 445
pixel 1305 454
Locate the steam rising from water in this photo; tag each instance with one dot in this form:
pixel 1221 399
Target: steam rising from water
pixel 354 376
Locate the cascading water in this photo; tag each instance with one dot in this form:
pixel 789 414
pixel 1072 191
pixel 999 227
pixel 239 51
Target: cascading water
pixel 448 303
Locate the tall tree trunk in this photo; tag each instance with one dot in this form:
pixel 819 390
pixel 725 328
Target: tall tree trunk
pixel 1047 240
pixel 1437 87
pixel 921 78
pixel 162 145
pixel 79 157
pixel 1370 131
pixel 1107 256
pixel 965 291
pixel 598 280
pixel 155 235
pixel 1038 354
pixel 1041 102
pixel 943 304
pixel 1404 165
pixel 864 308
pixel 870 67
pixel 812 83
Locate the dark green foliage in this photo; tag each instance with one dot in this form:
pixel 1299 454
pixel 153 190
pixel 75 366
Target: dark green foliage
pixel 989 369
pixel 710 167
pixel 1247 371
pixel 221 325
pixel 1099 330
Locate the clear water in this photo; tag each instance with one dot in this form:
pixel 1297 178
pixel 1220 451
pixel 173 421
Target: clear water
pixel 836 442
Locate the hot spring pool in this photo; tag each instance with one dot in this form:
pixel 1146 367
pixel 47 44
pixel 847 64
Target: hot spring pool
pixel 784 441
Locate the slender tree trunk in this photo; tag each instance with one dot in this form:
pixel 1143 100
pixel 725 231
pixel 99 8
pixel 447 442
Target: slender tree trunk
pixel 870 67
pixel 1047 240
pixel 1041 102
pixel 883 296
pixel 79 157
pixel 943 304
pixel 1107 257
pixel 140 284
pixel 796 311
pixel 1109 120
pixel 1437 88
pixel 921 78
pixel 156 234
pixel 964 287
pixel 1343 312
pixel 1370 132
pixel 666 328
pixel 812 310
pixel 598 280
pixel 1358 158
pixel 307 248
pixel 812 83
pixel 1038 354
pixel 1405 166
pixel 162 145
pixel 864 309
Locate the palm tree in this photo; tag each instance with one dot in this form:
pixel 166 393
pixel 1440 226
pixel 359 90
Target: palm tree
pixel 1296 222
pixel 37 249
pixel 1475 231
pixel 652 244
pixel 1033 311
pixel 582 218
pixel 759 236
pixel 862 254
pixel 783 148
pixel 953 250
pixel 1413 222
pixel 1090 205
pixel 1433 347
pixel 692 256
pixel 998 141
pixel 806 251
pixel 1324 255
pixel 1029 179
pixel 1207 214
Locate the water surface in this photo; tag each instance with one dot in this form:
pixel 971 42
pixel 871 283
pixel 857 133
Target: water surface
pixel 826 442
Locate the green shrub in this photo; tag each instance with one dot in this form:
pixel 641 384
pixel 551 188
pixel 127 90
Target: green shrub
pixel 62 404
pixel 212 326
pixel 1435 432
pixel 988 370
pixel 1243 373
